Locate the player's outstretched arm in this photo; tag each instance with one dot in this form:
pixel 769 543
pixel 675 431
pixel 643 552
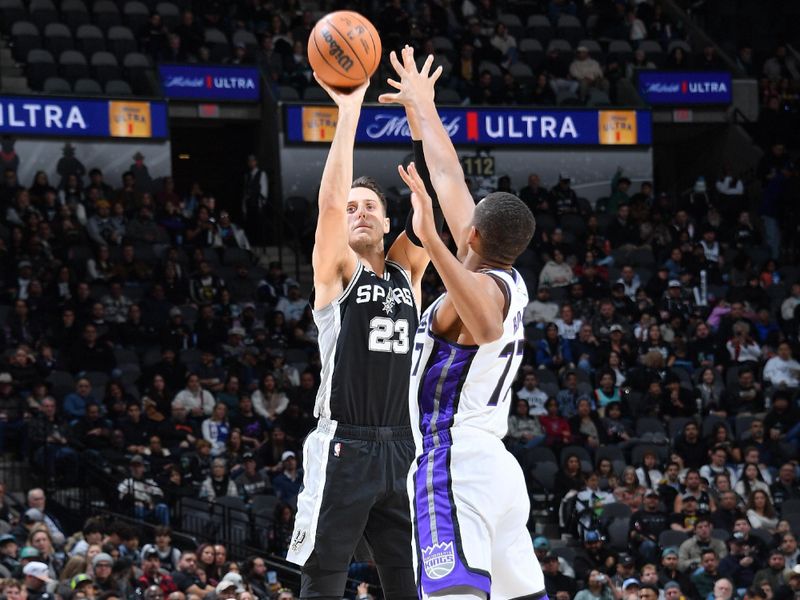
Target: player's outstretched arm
pixel 416 93
pixel 332 259
pixel 476 297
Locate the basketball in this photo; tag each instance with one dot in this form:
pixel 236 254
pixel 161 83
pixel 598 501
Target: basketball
pixel 344 49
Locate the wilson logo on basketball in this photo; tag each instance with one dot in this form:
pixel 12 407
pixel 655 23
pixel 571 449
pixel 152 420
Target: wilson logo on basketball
pixel 336 51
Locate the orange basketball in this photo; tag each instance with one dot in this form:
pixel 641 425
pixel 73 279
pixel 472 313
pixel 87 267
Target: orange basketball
pixel 344 49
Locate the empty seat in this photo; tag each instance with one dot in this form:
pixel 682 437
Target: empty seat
pixel 485 65
pixel 40 67
pixel 43 12
pixel 521 72
pixel 136 14
pixel 217 44
pixel 540 28
pixel 106 14
pixel 89 39
pixel 653 51
pixel 58 38
pixel 137 72
pixel 105 67
pixel 121 41
pixel 316 94
pixel 561 45
pixel 56 85
pixel 24 38
pixel 247 38
pixel 447 96
pixel 531 51
pixel 570 28
pixel 679 44
pixel 621 49
pixel 88 87
pixel 599 98
pixel 11 11
pixel 72 65
pixel 117 87
pixel 287 93
pixel 170 14
pixel 512 23
pixel 74 13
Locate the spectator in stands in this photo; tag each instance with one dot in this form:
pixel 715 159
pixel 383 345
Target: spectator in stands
pixel 774 572
pixel 597 587
pixel 532 394
pixel 198 402
pixel 785 487
pixel 219 483
pixel 524 430
pixel 186 576
pixel 288 482
pixel 556 272
pixel 782 370
pixel 144 495
pixel 564 198
pixel 37 576
pixel 556 582
pixel 707 573
pixel 49 436
pixel 760 511
pixel 750 481
pixel 781 65
pixel 727 511
pixel 645 527
pixel 587 72
pixel 216 429
pixel 268 401
pixel 542 309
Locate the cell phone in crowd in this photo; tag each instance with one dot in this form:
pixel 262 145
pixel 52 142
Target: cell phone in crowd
pixel 272 577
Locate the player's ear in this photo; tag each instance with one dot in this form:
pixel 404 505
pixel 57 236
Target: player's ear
pixel 387 225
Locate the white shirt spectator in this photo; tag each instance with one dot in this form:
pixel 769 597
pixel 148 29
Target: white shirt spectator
pixel 730 186
pixel 708 472
pixel 540 312
pixel 788 306
pixel 744 352
pixel 145 492
pixel 192 401
pixel 568 331
pixel 780 372
pixel 292 309
pixel 535 399
pixel 761 522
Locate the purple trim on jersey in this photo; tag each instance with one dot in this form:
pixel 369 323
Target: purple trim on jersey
pixel 431 380
pixel 439 552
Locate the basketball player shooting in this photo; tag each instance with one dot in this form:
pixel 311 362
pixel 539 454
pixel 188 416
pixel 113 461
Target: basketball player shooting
pixel 365 307
pixel 470 541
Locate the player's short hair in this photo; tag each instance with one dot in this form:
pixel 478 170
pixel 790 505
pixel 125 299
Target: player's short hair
pixel 506 226
pixel 369 183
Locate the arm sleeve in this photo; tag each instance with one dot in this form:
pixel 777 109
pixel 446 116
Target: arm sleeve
pixel 438 215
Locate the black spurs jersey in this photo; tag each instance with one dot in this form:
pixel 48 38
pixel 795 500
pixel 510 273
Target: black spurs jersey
pixel 365 338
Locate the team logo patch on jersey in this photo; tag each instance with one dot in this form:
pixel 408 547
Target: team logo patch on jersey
pixel 439 560
pixel 298 540
pixel 388 304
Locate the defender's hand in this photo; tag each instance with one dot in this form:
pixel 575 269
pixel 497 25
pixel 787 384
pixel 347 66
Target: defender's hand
pixel 414 86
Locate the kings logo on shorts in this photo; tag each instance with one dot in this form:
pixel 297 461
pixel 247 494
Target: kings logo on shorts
pixel 439 560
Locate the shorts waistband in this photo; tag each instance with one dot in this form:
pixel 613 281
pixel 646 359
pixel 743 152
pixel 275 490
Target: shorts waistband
pixel 368 434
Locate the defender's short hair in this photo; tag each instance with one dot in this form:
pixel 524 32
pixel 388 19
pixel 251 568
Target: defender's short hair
pixel 369 183
pixel 506 226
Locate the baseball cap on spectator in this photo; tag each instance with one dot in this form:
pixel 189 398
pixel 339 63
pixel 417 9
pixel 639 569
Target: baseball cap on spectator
pixel 592 536
pixel 674 283
pixel 6 538
pixel 667 551
pixel 248 456
pixel 672 585
pixel 796 570
pixel 236 331
pixel 25 264
pixel 615 327
pixel 291 283
pixel 248 305
pixel 151 553
pixel 175 312
pixel 688 497
pixel 564 177
pixel 541 543
pixel 231 580
pixel 102 558
pixel 33 515
pixel 651 493
pixel 287 455
pixel 626 559
pixel 28 552
pixel 550 556
pixel 79 579
pixel 136 459
pixel 6 378
pixel 37 569
pixel 629 582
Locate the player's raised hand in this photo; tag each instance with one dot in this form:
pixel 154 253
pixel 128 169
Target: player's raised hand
pixel 423 221
pixel 345 99
pixel 414 85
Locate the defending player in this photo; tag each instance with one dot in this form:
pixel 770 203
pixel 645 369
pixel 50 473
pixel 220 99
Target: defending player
pixel 366 308
pixel 469 501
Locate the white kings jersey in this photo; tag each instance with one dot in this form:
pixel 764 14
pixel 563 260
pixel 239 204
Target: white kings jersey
pixel 454 386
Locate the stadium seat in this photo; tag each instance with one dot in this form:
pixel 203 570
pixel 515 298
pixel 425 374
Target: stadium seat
pixel 598 98
pixel 447 96
pixel 570 28
pixel 543 476
pixel 653 51
pixel 486 65
pixel 170 14
pixel 89 39
pixel 522 73
pixel 790 507
pixel 652 425
pixel 316 94
pixel 40 66
pixel 534 456
pixel 72 66
pixel 247 38
pixel 612 453
pixel 288 93
pixel 575 224
pixel 532 52
pixel 106 14
pixel 595 51
pixel 671 538
pixel 43 12
pixel 620 49
pixel 74 13
pixel 565 552
pixel 676 426
pixel 88 87
pixel 264 505
pixel 442 44
pixel 218 45
pixel 616 510
pixel 137 67
pixel 11 11
pixel 125 356
pixel 540 28
pixel 679 44
pixel 57 38
pixel 105 68
pixel 561 45
pixel 61 383
pixel 637 454
pixel 513 24
pixel 618 534
pixel 56 85
pixel 710 423
pixel 581 453
pixel 24 38
pixel 566 98
pixel 117 87
pixel 121 41
pixel 135 14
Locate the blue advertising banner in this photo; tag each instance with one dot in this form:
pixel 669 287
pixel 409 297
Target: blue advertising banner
pixel 478 126
pixel 201 82
pixel 680 88
pixel 61 117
